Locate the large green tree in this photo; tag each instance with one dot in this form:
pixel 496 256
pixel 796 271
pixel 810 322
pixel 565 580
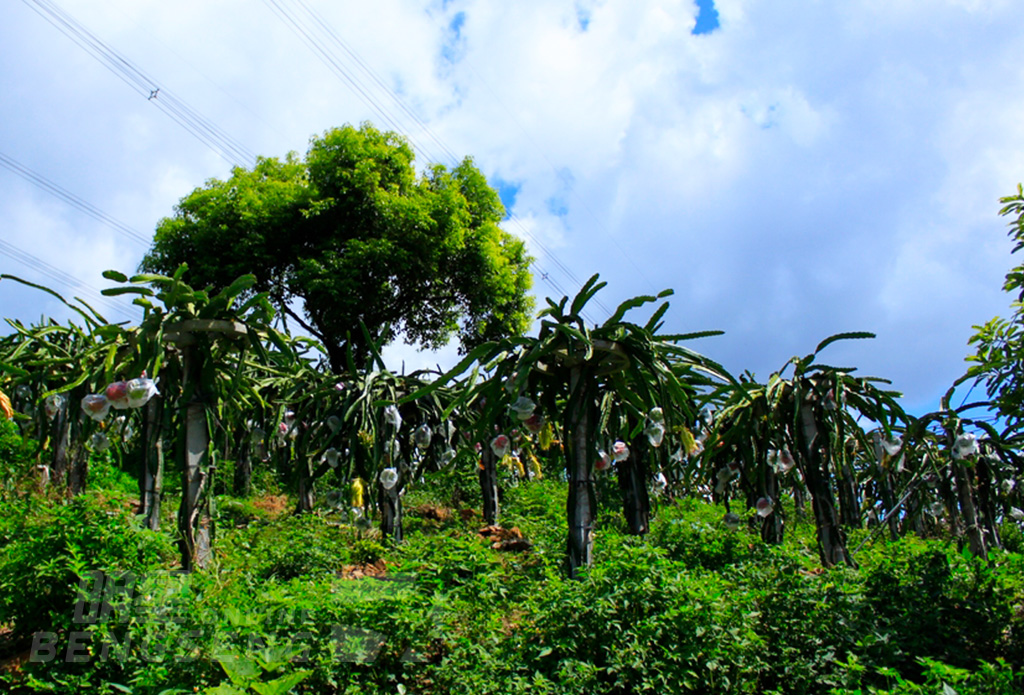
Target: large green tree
pixel 359 237
pixel 998 360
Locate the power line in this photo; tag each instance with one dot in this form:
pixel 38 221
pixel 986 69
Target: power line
pixel 71 199
pixel 321 38
pixel 62 278
pixel 332 50
pixel 191 120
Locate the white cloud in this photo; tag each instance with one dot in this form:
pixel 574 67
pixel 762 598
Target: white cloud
pixel 804 169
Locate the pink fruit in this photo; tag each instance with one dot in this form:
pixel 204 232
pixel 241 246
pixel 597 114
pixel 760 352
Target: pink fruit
pixel 117 391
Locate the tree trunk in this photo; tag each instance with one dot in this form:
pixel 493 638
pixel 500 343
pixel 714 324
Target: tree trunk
pixel 849 508
pixel 831 537
pixel 61 433
pixel 151 476
pixel 194 523
pixel 580 454
pixel 391 512
pixel 633 475
pixel 242 482
pixel 949 500
pixel 488 474
pixel 305 501
pixel 889 501
pixel 986 503
pixel 965 493
pixel 773 525
pixel 78 474
pixel 799 500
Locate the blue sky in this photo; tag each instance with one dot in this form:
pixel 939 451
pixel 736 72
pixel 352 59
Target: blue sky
pixel 791 170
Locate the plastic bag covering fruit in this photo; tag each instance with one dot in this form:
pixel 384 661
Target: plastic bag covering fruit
pixel 781 460
pixel 725 474
pixel 448 456
pixel 657 415
pixel 140 391
pixel 534 423
pixel 256 435
pixel 892 446
pixel 96 406
pixel 288 427
pixel 523 408
pixel 765 506
pixel 422 436
pixel 52 405
pixel 334 423
pixel 99 441
pixel 965 445
pixel 604 461
pixel 389 478
pixel 392 417
pixel 620 452
pixel 655 432
pixel 117 394
pixel 332 456
pixel 499 445
pixel 731 521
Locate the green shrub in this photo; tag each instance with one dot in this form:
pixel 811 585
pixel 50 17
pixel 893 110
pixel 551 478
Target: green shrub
pixel 926 601
pixel 693 533
pixel 15 454
pixel 294 546
pixel 47 547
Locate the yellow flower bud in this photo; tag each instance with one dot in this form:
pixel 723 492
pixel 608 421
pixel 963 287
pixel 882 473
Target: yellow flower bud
pixel 535 466
pixel 687 441
pixel 356 493
pixel 546 437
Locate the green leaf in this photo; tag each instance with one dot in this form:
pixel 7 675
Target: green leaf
pixel 115 291
pixel 151 277
pixel 115 276
pixel 280 686
pixel 222 689
pixel 857 335
pixel 679 337
pixel 633 304
pixel 240 669
pixel 590 288
pixel 13 369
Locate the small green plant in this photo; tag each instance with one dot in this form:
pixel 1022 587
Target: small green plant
pixel 48 547
pixel 366 551
pixel 250 674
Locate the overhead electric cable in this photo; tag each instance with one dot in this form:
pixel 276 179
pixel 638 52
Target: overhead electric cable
pixel 322 39
pixel 71 199
pixel 377 80
pixel 321 48
pixel 200 127
pixel 65 279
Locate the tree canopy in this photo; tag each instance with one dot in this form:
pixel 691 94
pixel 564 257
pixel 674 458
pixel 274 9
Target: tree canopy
pixel 999 344
pixel 359 237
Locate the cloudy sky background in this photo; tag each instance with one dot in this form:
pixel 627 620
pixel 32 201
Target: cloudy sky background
pixel 790 169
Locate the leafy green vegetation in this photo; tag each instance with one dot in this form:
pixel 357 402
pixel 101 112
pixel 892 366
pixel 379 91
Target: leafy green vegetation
pixel 307 604
pixel 596 509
